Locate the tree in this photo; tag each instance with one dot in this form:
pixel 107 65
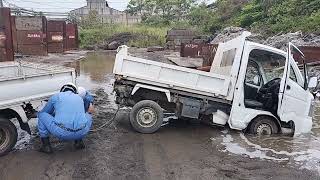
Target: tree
pixel 166 10
pixel 91 20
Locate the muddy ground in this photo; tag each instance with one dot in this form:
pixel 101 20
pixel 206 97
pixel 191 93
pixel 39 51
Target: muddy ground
pixel 180 150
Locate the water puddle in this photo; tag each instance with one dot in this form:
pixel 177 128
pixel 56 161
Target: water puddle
pixel 95 70
pixel 302 151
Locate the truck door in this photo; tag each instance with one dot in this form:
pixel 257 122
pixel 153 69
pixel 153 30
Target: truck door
pixel 294 98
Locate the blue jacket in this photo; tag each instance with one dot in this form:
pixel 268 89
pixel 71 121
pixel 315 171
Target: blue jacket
pixel 67 109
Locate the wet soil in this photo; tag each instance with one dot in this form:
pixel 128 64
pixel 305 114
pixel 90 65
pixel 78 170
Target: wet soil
pixel 180 150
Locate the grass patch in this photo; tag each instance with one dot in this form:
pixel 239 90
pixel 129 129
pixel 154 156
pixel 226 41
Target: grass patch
pixel 141 35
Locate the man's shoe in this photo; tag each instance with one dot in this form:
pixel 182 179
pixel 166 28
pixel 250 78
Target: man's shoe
pixel 79 144
pixel 46 146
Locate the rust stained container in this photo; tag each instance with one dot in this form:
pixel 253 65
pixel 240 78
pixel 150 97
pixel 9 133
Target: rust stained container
pixel 312 55
pixel 205 51
pixel 31 32
pixel 6 46
pixel 56 33
pixel 72 37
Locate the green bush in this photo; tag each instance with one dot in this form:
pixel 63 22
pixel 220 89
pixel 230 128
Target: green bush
pixel 144 36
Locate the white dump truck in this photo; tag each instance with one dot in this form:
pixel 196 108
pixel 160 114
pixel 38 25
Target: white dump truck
pixel 250 87
pixel 23 88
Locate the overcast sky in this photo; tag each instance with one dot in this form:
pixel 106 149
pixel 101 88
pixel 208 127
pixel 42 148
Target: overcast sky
pixel 64 5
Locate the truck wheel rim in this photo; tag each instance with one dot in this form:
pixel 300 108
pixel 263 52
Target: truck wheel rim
pixel 4 140
pixel 147 117
pixel 264 129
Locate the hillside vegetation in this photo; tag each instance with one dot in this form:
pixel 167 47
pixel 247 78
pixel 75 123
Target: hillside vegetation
pixel 267 17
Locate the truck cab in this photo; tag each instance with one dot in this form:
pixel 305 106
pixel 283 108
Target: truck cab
pixel 271 94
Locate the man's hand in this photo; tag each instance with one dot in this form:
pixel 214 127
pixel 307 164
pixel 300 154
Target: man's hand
pixel 91 109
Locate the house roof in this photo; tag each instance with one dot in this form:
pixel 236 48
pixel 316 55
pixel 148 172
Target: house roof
pixel 106 5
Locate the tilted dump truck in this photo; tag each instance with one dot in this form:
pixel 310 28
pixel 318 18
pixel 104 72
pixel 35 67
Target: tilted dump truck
pixel 250 87
pixel 23 88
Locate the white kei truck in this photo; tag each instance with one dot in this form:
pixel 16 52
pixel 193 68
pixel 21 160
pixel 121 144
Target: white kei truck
pixel 251 87
pixel 23 88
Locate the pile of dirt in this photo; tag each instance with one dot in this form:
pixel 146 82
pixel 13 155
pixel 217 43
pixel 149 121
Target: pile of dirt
pixel 230 33
pixel 113 42
pixel 297 38
pixel 279 41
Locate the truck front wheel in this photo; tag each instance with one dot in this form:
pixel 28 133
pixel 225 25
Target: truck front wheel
pixel 8 136
pixel 146 117
pixel 263 126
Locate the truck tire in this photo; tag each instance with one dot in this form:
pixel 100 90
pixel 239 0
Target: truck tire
pixel 8 136
pixel 263 126
pixel 146 117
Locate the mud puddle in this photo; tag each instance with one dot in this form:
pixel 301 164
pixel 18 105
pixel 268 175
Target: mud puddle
pixel 94 72
pixel 302 151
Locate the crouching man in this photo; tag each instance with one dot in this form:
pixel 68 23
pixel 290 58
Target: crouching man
pixel 64 117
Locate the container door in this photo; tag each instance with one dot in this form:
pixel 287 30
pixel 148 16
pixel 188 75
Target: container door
pixel 294 98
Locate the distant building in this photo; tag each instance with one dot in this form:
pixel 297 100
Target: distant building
pixel 105 13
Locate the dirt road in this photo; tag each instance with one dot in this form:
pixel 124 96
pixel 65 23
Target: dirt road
pixel 181 150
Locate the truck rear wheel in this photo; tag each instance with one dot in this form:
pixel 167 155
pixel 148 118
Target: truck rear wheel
pixel 263 126
pixel 146 117
pixel 8 136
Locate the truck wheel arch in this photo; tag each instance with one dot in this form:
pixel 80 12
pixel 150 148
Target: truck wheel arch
pixel 16 112
pixel 274 119
pixel 153 88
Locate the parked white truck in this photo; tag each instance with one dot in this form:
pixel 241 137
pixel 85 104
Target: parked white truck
pixel 23 88
pixel 250 86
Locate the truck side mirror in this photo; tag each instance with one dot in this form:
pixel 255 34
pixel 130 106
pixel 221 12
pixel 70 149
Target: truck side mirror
pixel 313 82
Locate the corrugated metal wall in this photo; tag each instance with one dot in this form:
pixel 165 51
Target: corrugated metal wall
pixel 56 36
pixel 31 35
pixel 6 47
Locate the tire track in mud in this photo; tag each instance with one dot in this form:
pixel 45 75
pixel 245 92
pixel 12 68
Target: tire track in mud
pixel 127 160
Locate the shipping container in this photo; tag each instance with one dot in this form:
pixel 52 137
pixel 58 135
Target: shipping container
pixel 31 33
pixel 56 33
pixel 312 55
pixel 205 50
pixel 6 46
pixel 72 37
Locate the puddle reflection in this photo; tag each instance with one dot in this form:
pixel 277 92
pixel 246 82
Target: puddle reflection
pixel 95 71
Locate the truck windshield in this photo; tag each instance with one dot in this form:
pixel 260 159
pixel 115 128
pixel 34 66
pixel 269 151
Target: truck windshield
pixel 272 64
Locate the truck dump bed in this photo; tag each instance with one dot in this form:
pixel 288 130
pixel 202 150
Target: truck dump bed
pixel 23 82
pixel 170 76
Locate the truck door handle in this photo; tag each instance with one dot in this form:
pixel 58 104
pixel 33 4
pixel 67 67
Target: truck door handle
pixel 288 87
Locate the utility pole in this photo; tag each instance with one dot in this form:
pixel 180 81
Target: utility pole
pixel 1 3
